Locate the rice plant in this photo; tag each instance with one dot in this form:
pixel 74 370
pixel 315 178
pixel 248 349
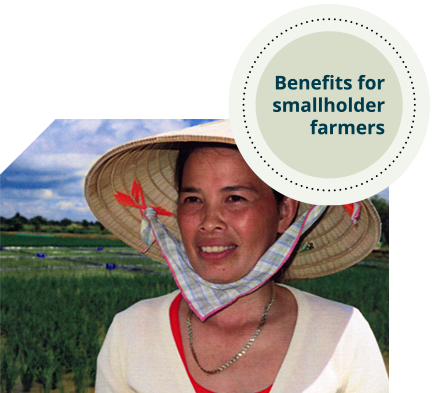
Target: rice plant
pixel 54 322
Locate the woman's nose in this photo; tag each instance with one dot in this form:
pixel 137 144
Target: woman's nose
pixel 212 219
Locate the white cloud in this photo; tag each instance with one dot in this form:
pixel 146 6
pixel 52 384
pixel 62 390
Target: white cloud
pixel 72 143
pixel 45 194
pixel 80 126
pixel 165 125
pixel 74 204
pixel 123 126
pixel 56 162
pixel 51 208
pixel 48 178
pixel 64 205
pixel 68 136
pixel 59 160
pixel 16 194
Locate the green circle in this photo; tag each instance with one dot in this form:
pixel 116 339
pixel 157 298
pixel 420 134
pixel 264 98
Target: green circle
pixel 331 151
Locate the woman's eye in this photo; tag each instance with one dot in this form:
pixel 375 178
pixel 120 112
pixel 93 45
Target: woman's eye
pixel 236 198
pixel 191 199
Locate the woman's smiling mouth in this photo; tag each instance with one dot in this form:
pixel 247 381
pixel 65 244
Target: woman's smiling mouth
pixel 216 252
pixel 215 249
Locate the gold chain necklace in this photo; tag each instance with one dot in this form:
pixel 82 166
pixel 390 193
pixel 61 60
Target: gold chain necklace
pixel 246 346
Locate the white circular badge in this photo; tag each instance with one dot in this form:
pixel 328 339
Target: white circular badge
pixel 329 104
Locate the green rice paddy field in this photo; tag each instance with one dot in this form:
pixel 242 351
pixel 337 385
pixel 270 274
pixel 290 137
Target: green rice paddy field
pixel 56 308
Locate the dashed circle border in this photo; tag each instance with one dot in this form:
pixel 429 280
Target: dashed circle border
pixel 361 26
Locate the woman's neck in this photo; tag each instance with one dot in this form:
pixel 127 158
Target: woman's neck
pixel 244 310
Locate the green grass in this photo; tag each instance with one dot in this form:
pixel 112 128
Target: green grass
pixel 26 257
pixel 7 240
pixel 53 325
pixel 54 320
pixel 27 262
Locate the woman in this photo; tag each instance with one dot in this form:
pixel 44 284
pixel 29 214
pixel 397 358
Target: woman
pixel 230 328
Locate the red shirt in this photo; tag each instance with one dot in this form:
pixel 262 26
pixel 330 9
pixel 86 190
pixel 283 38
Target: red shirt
pixel 174 321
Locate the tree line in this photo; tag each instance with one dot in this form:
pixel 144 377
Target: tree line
pixel 382 207
pixel 19 223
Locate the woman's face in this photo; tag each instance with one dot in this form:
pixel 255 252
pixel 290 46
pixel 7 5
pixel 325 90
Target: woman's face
pixel 228 217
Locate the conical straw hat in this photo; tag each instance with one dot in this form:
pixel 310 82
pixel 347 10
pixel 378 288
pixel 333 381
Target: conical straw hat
pixel 331 245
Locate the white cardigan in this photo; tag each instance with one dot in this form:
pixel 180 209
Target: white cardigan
pixel 332 350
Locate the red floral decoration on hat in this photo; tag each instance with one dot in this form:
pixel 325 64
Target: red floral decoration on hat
pixel 353 209
pixel 137 194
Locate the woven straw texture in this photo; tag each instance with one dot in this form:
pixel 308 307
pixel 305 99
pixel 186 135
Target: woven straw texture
pixel 335 242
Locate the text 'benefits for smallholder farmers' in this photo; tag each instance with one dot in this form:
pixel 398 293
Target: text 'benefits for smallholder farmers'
pixel 324 104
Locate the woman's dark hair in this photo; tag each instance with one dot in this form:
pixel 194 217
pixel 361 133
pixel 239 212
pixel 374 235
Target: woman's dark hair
pixel 187 148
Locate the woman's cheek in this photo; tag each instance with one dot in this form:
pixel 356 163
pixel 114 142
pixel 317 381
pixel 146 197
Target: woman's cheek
pixel 187 216
pixel 240 209
pixel 243 219
pixel 186 209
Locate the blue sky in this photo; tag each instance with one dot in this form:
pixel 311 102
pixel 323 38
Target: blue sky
pixel 47 179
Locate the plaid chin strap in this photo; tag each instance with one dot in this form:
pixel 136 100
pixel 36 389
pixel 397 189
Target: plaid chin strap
pixel 203 297
pixel 206 298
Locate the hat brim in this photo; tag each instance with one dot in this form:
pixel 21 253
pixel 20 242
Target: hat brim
pixel 335 242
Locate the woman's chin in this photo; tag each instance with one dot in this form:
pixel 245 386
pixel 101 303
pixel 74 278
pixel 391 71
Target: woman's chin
pixel 218 276
pixel 220 267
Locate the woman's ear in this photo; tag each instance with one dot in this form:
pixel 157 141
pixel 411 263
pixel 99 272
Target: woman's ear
pixel 288 210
